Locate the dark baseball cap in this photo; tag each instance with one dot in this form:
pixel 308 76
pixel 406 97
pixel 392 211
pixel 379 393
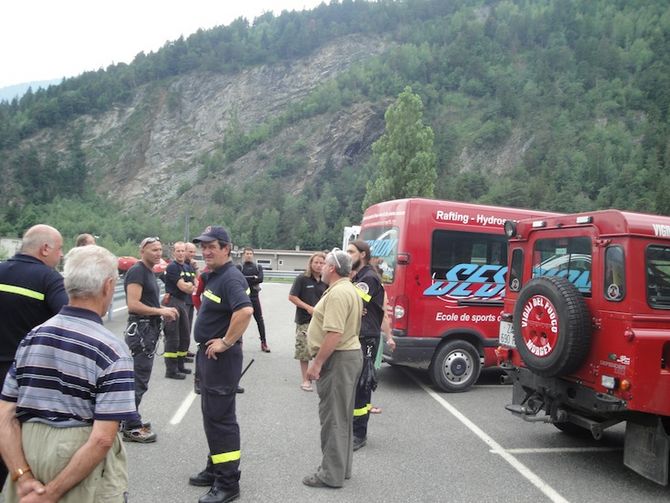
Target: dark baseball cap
pixel 213 233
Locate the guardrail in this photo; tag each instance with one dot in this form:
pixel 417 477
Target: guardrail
pixel 272 275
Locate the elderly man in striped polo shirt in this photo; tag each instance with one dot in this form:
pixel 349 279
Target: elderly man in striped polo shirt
pixel 63 399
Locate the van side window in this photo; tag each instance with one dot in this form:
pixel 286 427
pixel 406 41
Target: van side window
pixel 615 274
pixel 564 257
pixel 658 276
pixel 514 279
pixel 450 249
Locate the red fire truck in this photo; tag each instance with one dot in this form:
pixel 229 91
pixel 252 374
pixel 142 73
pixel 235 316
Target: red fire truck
pixel 443 265
pixel 585 331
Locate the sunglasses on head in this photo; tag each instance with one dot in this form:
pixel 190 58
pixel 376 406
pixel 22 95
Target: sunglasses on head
pixel 332 252
pixel 148 241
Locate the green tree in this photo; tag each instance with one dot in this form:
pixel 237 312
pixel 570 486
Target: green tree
pixel 403 160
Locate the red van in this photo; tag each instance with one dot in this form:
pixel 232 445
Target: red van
pixel 443 265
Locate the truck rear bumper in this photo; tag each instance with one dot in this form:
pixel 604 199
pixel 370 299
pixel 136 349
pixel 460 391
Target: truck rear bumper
pixel 416 352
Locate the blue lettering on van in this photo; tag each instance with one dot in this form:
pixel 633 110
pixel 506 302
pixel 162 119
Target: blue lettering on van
pixel 382 247
pixel 470 280
pixel 581 279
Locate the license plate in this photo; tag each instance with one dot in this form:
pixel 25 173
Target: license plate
pixel 506 334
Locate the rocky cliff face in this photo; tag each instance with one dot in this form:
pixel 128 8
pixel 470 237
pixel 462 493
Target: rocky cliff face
pixel 151 150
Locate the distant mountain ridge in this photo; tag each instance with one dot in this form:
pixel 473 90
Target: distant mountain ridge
pixel 8 93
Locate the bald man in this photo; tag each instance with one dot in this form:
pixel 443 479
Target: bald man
pixel 31 292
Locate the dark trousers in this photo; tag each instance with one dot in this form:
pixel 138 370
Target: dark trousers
pixel 258 315
pixel 218 383
pixel 190 311
pixel 364 395
pixel 142 337
pixel 4 368
pixel 177 333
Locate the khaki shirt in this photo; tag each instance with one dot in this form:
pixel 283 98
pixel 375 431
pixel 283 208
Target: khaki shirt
pixel 339 310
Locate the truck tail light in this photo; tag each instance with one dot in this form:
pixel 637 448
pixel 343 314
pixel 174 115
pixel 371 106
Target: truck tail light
pixel 400 313
pixel 624 385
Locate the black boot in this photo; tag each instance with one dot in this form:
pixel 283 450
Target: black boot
pixel 180 366
pixel 171 370
pixel 220 495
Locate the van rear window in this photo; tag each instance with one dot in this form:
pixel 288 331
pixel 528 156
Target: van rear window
pixel 564 257
pixel 383 243
pixel 658 276
pixel 450 249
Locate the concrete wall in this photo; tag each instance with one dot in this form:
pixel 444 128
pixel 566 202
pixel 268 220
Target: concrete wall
pixel 8 247
pixel 278 260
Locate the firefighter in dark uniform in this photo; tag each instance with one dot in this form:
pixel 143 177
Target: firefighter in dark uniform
pixel 370 289
pixel 223 317
pixel 253 273
pixel 178 286
pixel 31 292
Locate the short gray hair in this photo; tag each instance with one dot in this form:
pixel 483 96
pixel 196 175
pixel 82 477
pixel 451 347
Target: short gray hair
pixel 340 260
pixel 38 235
pixel 86 270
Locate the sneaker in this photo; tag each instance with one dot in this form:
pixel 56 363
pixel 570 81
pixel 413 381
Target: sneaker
pixel 264 347
pixel 142 435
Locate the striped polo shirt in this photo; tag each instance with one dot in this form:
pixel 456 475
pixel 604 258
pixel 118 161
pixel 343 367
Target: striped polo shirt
pixel 71 371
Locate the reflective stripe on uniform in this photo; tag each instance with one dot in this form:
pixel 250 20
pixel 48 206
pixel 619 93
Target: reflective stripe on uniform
pixel 182 353
pixel 21 291
pixel 170 355
pixel 365 296
pixel 362 411
pixel 225 457
pixel 212 297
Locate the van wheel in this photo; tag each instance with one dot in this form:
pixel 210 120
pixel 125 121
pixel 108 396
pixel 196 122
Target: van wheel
pixel 455 366
pixel 552 326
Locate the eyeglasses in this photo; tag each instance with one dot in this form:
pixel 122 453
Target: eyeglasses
pixel 332 252
pixel 148 241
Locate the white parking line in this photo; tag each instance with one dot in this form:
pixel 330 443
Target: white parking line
pixel 183 409
pixel 119 309
pixel 496 448
pixel 543 450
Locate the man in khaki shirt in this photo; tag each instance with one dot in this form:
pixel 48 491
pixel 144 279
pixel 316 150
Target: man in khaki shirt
pixel 332 338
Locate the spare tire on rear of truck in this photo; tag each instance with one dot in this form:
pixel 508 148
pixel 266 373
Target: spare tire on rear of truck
pixel 552 326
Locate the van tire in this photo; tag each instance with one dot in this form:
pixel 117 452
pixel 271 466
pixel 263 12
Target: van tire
pixel 455 366
pixel 551 300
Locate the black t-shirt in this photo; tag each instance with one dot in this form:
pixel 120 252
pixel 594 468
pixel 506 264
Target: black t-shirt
pixel 253 274
pixel 367 281
pixel 309 290
pixel 173 273
pixel 225 293
pixel 31 292
pixel 141 275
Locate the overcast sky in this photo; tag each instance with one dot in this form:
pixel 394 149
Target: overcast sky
pixel 51 39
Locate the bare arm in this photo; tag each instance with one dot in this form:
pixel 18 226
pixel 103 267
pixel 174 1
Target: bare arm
pixel 11 449
pixel 133 296
pixel 238 324
pixel 386 325
pixel 330 342
pixel 301 304
pixel 84 461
